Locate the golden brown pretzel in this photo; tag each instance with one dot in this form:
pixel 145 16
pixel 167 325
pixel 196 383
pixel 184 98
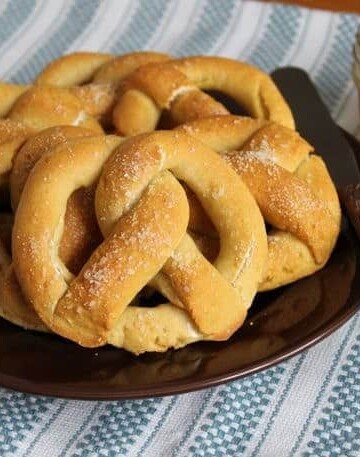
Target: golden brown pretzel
pixel 144 221
pixel 80 68
pixel 13 306
pixel 291 186
pixel 12 134
pixel 81 234
pixel 34 110
pixel 42 107
pixel 72 69
pixel 94 77
pixel 177 86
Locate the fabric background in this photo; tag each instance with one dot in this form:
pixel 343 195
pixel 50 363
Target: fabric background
pixel 308 406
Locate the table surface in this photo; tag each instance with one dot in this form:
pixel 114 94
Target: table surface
pixel 308 406
pixel 333 5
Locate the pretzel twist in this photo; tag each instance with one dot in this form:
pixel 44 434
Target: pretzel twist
pixel 81 234
pixel 34 110
pixel 291 186
pixel 177 86
pixel 144 221
pixel 94 77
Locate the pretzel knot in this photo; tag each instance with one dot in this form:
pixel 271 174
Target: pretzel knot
pixel 143 213
pixel 177 86
pixel 291 186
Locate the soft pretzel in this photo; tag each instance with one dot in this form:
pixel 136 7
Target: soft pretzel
pixel 12 135
pixel 291 186
pixel 143 213
pixel 91 77
pixel 81 68
pixel 36 109
pixel 72 69
pixel 95 99
pixel 13 306
pixel 9 93
pixel 81 234
pixel 42 107
pixel 94 77
pixel 33 149
pixel 177 86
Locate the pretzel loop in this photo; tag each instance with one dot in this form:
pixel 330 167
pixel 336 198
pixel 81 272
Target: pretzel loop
pixel 176 86
pixel 144 222
pixel 240 238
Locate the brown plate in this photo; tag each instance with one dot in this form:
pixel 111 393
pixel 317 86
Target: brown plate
pixel 281 324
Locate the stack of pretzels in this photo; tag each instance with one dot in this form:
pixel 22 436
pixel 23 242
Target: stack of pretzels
pixel 143 213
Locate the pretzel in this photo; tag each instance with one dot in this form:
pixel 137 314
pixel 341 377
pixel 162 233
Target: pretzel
pixel 81 68
pixel 144 221
pixel 94 77
pixel 9 93
pixel 72 69
pixel 12 134
pixel 291 186
pixel 36 109
pixel 13 306
pixel 177 86
pixel 81 234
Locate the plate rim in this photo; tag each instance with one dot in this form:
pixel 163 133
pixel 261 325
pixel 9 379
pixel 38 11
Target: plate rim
pixel 68 390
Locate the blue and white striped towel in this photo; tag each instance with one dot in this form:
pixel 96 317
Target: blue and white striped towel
pixel 308 406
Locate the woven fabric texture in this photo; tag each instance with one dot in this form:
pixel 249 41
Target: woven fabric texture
pixel 307 406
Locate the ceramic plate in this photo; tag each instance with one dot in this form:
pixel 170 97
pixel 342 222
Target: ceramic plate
pixel 280 324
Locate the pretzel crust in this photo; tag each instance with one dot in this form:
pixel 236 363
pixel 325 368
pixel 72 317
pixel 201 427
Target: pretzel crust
pixel 72 69
pixel 94 77
pixel 291 186
pixel 13 306
pixel 176 86
pixel 81 234
pixel 80 68
pixel 92 308
pixel 35 109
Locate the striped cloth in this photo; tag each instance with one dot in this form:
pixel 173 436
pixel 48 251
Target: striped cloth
pixel 308 406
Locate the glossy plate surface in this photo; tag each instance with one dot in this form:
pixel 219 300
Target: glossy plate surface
pixel 281 323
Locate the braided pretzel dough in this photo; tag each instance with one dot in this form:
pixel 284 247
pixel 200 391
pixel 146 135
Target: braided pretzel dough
pixel 145 227
pixel 292 188
pixel 175 86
